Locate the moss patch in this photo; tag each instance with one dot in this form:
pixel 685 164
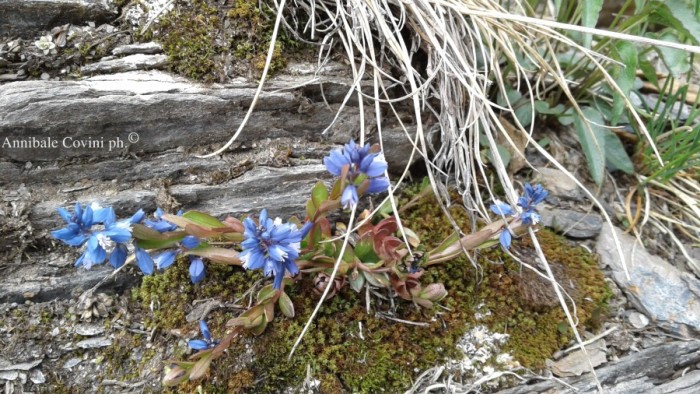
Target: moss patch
pixel 349 350
pixel 211 42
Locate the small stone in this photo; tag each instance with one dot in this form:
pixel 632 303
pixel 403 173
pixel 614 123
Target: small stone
pixel 572 223
pixel 28 166
pixel 128 63
pixel 25 366
pixel 72 363
pixel 89 330
pixel 558 183
pixel 45 76
pixel 576 363
pixel 148 48
pixel 94 343
pixel 638 320
pixel 55 331
pixel 36 376
pixel 9 375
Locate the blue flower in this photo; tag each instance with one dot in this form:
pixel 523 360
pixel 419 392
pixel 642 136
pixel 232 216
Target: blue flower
pixel 271 246
pixel 358 164
pixel 107 240
pixel 207 342
pixel 161 225
pixel 533 196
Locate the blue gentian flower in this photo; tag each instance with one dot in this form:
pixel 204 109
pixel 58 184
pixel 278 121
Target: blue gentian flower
pixel 207 342
pixel 161 225
pixel 526 213
pixel 361 164
pixel 144 261
pixel 271 246
pixel 109 239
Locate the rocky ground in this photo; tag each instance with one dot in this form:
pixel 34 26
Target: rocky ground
pixel 78 74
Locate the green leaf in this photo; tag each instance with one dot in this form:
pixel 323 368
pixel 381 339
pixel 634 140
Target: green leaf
pixel 319 194
pixel 649 72
pixel 357 280
pixel 266 292
pixel 364 250
pixel 591 135
pixel 677 61
pixel 377 279
pixel 616 155
pixel 627 54
pixel 201 367
pixel 567 117
pixel 542 107
pixel 589 18
pixel 678 15
pixel 203 219
pixel 310 208
pixel 286 305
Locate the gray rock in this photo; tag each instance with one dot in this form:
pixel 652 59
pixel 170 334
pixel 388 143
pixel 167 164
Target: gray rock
pixel 7 365
pixel 89 330
pixel 669 297
pixel 577 363
pixel 557 183
pixel 282 193
pixel 637 373
pixel 638 320
pixel 94 343
pixel 26 18
pixel 148 48
pixel 572 223
pixel 145 112
pixel 37 377
pixel 128 63
pixel 72 363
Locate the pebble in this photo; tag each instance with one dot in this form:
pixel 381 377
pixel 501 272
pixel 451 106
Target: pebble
pixel 572 223
pixel 558 183
pixel 72 363
pixel 94 343
pixel 149 48
pixel 577 363
pixel 89 330
pixel 638 320
pixel 45 76
pixel 37 377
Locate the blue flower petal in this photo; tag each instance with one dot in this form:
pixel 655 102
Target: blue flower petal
pixel 204 329
pixel 118 256
pixel 198 344
pixel 137 217
pixel 505 238
pixel 349 197
pixel 144 261
pixel 117 234
pixel 373 165
pixel 87 217
pixel 190 242
pixel 305 230
pixel 165 259
pixel 278 279
pixel 501 208
pixel 67 217
pixel 378 185
pixel 196 270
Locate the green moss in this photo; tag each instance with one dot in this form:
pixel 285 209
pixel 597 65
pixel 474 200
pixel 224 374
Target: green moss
pixel 349 350
pixel 206 40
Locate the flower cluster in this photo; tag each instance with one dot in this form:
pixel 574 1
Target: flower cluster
pixel 360 167
pixel 271 246
pixel 108 239
pixel 526 211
